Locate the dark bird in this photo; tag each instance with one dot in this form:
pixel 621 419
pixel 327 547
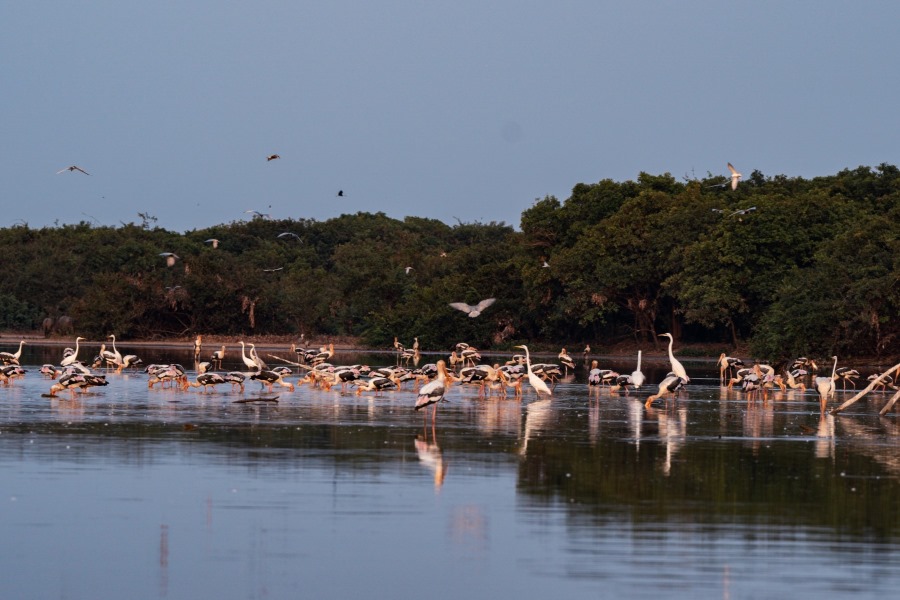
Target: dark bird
pixel 72 168
pixel 272 157
pixel 340 193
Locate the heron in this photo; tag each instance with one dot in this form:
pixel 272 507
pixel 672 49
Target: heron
pixel 677 367
pixel 536 382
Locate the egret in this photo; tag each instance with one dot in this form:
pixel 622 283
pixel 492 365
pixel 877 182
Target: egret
pixel 213 241
pixel 677 367
pixel 8 358
pixel 637 377
pixel 735 176
pixel 71 358
pixel 473 310
pixel 170 257
pixel 536 382
pixel 249 362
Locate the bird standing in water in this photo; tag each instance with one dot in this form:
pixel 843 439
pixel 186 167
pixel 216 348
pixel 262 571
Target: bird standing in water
pixel 433 392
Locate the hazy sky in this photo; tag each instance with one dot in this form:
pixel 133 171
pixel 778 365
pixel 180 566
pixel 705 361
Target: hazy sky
pixel 463 109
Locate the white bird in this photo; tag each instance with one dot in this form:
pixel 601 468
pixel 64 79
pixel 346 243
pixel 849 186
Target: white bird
pixel 473 310
pixel 735 176
pixel 249 362
pixel 256 214
pixel 408 269
pixel 170 257
pixel 72 168
pixel 433 392
pixel 213 241
pixel 116 355
pixel 825 386
pixel 12 357
pixel 536 382
pixel 71 358
pixel 260 364
pixel 288 235
pixel 546 265
pixel 273 270
pixel 677 367
pixel 637 377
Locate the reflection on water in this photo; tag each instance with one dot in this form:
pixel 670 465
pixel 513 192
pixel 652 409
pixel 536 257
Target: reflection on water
pixel 158 493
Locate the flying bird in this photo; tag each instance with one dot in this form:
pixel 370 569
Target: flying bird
pixel 735 176
pixel 72 168
pixel 213 241
pixel 288 235
pixel 170 257
pixel 273 270
pixel 546 265
pixel 272 157
pixel 256 214
pixel 743 211
pixel 473 311
pixel 408 269
pixel 340 193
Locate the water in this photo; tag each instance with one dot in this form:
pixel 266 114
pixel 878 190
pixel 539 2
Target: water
pixel 130 492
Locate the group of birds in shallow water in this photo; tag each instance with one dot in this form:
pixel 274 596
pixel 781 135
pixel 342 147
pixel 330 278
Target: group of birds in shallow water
pixel 432 381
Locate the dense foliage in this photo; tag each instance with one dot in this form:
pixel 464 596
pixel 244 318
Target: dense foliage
pixel 814 268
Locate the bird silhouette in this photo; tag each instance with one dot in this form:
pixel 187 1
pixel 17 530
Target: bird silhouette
pixel 72 168
pixel 272 157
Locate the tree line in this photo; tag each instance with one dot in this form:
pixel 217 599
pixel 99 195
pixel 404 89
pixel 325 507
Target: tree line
pixel 790 266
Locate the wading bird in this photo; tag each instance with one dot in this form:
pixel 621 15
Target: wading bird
pixel 536 382
pixel 12 358
pixel 433 392
pixel 825 386
pixel 677 367
pixel 69 359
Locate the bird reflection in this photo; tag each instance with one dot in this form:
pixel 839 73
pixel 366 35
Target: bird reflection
pixel 825 436
pixel 536 416
pixel 430 455
pixel 635 420
pixel 672 432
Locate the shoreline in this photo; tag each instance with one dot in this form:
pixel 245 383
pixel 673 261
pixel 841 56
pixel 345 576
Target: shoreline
pixel 619 352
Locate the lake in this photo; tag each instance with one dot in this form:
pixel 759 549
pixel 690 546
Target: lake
pixel 127 492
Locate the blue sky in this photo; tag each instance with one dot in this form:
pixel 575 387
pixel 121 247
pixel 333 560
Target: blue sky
pixel 466 109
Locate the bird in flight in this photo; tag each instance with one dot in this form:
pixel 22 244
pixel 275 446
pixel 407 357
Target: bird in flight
pixel 272 157
pixel 72 168
pixel 546 265
pixel 288 235
pixel 213 241
pixel 256 214
pixel 408 269
pixel 273 270
pixel 170 257
pixel 743 211
pixel 340 193
pixel 473 310
pixel 735 176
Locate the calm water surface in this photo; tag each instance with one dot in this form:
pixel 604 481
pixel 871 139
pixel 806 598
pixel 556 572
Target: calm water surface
pixel 134 493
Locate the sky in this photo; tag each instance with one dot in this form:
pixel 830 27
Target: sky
pixel 464 111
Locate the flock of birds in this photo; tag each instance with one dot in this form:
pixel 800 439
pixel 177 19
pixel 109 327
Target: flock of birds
pixel 432 381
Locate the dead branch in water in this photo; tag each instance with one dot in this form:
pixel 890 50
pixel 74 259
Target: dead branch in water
pixel 867 389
